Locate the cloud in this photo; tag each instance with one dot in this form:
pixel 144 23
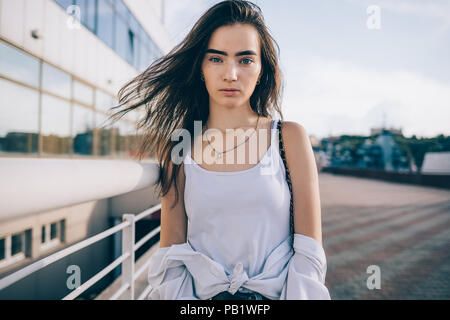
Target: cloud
pixel 433 9
pixel 339 97
pixel 181 16
pixel 438 10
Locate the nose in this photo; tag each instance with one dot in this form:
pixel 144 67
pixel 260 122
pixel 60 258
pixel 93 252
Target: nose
pixel 230 72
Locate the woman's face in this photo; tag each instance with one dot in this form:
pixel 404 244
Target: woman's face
pixel 232 60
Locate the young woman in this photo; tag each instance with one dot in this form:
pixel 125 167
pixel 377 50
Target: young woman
pixel 225 223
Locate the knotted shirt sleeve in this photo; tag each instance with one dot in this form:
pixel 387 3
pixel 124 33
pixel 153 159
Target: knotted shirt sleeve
pixel 169 279
pixel 306 271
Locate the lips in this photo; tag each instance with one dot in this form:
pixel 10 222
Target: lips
pixel 230 93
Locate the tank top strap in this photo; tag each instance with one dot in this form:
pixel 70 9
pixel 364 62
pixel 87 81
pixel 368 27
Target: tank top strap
pixel 273 127
pixel 274 136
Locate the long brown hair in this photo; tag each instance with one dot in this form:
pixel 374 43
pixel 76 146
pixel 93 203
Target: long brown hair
pixel 173 95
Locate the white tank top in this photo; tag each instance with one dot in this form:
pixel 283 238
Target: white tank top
pixel 239 217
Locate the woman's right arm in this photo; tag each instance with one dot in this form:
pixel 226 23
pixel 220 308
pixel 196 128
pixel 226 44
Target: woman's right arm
pixel 167 274
pixel 173 220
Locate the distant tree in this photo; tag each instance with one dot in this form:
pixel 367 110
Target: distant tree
pixel 444 142
pixel 417 148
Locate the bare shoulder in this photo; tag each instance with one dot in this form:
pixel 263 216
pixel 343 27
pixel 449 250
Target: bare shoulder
pixel 294 134
pixel 299 152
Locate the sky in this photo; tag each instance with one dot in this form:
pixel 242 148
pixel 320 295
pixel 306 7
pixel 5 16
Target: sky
pixel 353 65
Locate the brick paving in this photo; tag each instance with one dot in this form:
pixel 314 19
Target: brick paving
pixel 403 229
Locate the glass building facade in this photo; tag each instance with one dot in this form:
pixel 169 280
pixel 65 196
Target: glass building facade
pixel 47 111
pixel 113 23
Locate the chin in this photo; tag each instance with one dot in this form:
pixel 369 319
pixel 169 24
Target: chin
pixel 232 103
pixel 228 101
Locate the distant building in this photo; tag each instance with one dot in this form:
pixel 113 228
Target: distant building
pixel 375 131
pixel 377 152
pixel 386 142
pixel 436 163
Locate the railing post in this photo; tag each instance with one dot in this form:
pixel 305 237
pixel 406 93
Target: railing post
pixel 128 247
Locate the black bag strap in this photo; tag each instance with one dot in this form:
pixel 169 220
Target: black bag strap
pixel 288 179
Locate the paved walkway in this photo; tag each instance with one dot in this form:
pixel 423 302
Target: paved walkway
pixel 404 230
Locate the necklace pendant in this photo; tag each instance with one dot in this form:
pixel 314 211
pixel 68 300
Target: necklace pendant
pixel 219 155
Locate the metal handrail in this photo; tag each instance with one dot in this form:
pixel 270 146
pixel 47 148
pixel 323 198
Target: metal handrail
pixel 119 292
pixel 145 293
pixel 36 266
pixel 128 249
pixel 147 237
pixel 96 278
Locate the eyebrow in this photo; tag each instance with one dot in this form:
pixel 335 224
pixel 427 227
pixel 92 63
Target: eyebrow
pixel 242 53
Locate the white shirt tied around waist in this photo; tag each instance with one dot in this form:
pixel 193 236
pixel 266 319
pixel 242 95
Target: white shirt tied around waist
pixel 238 238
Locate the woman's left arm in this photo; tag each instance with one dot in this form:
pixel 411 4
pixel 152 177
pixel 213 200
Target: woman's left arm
pixel 305 181
pixel 308 266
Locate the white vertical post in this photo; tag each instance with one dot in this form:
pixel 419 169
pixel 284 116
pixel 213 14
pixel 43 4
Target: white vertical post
pixel 128 247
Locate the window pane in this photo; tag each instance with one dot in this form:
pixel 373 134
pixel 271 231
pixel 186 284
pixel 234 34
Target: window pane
pixel 152 50
pixel 83 125
pixel 55 125
pixel 90 15
pixel 155 51
pixel 125 138
pixel 83 93
pixel 16 243
pixel 134 25
pixel 53 231
pixel 103 101
pixel 124 40
pixel 64 3
pixel 132 47
pixel 122 10
pixel 105 134
pixel 56 81
pixel 19 122
pixel 130 115
pixel 105 22
pixel 144 57
pixel 43 234
pixel 136 51
pixel 87 10
pixel 2 248
pixel 142 34
pixel 82 5
pixel 18 65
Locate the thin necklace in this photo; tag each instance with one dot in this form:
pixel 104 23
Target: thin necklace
pixel 220 153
